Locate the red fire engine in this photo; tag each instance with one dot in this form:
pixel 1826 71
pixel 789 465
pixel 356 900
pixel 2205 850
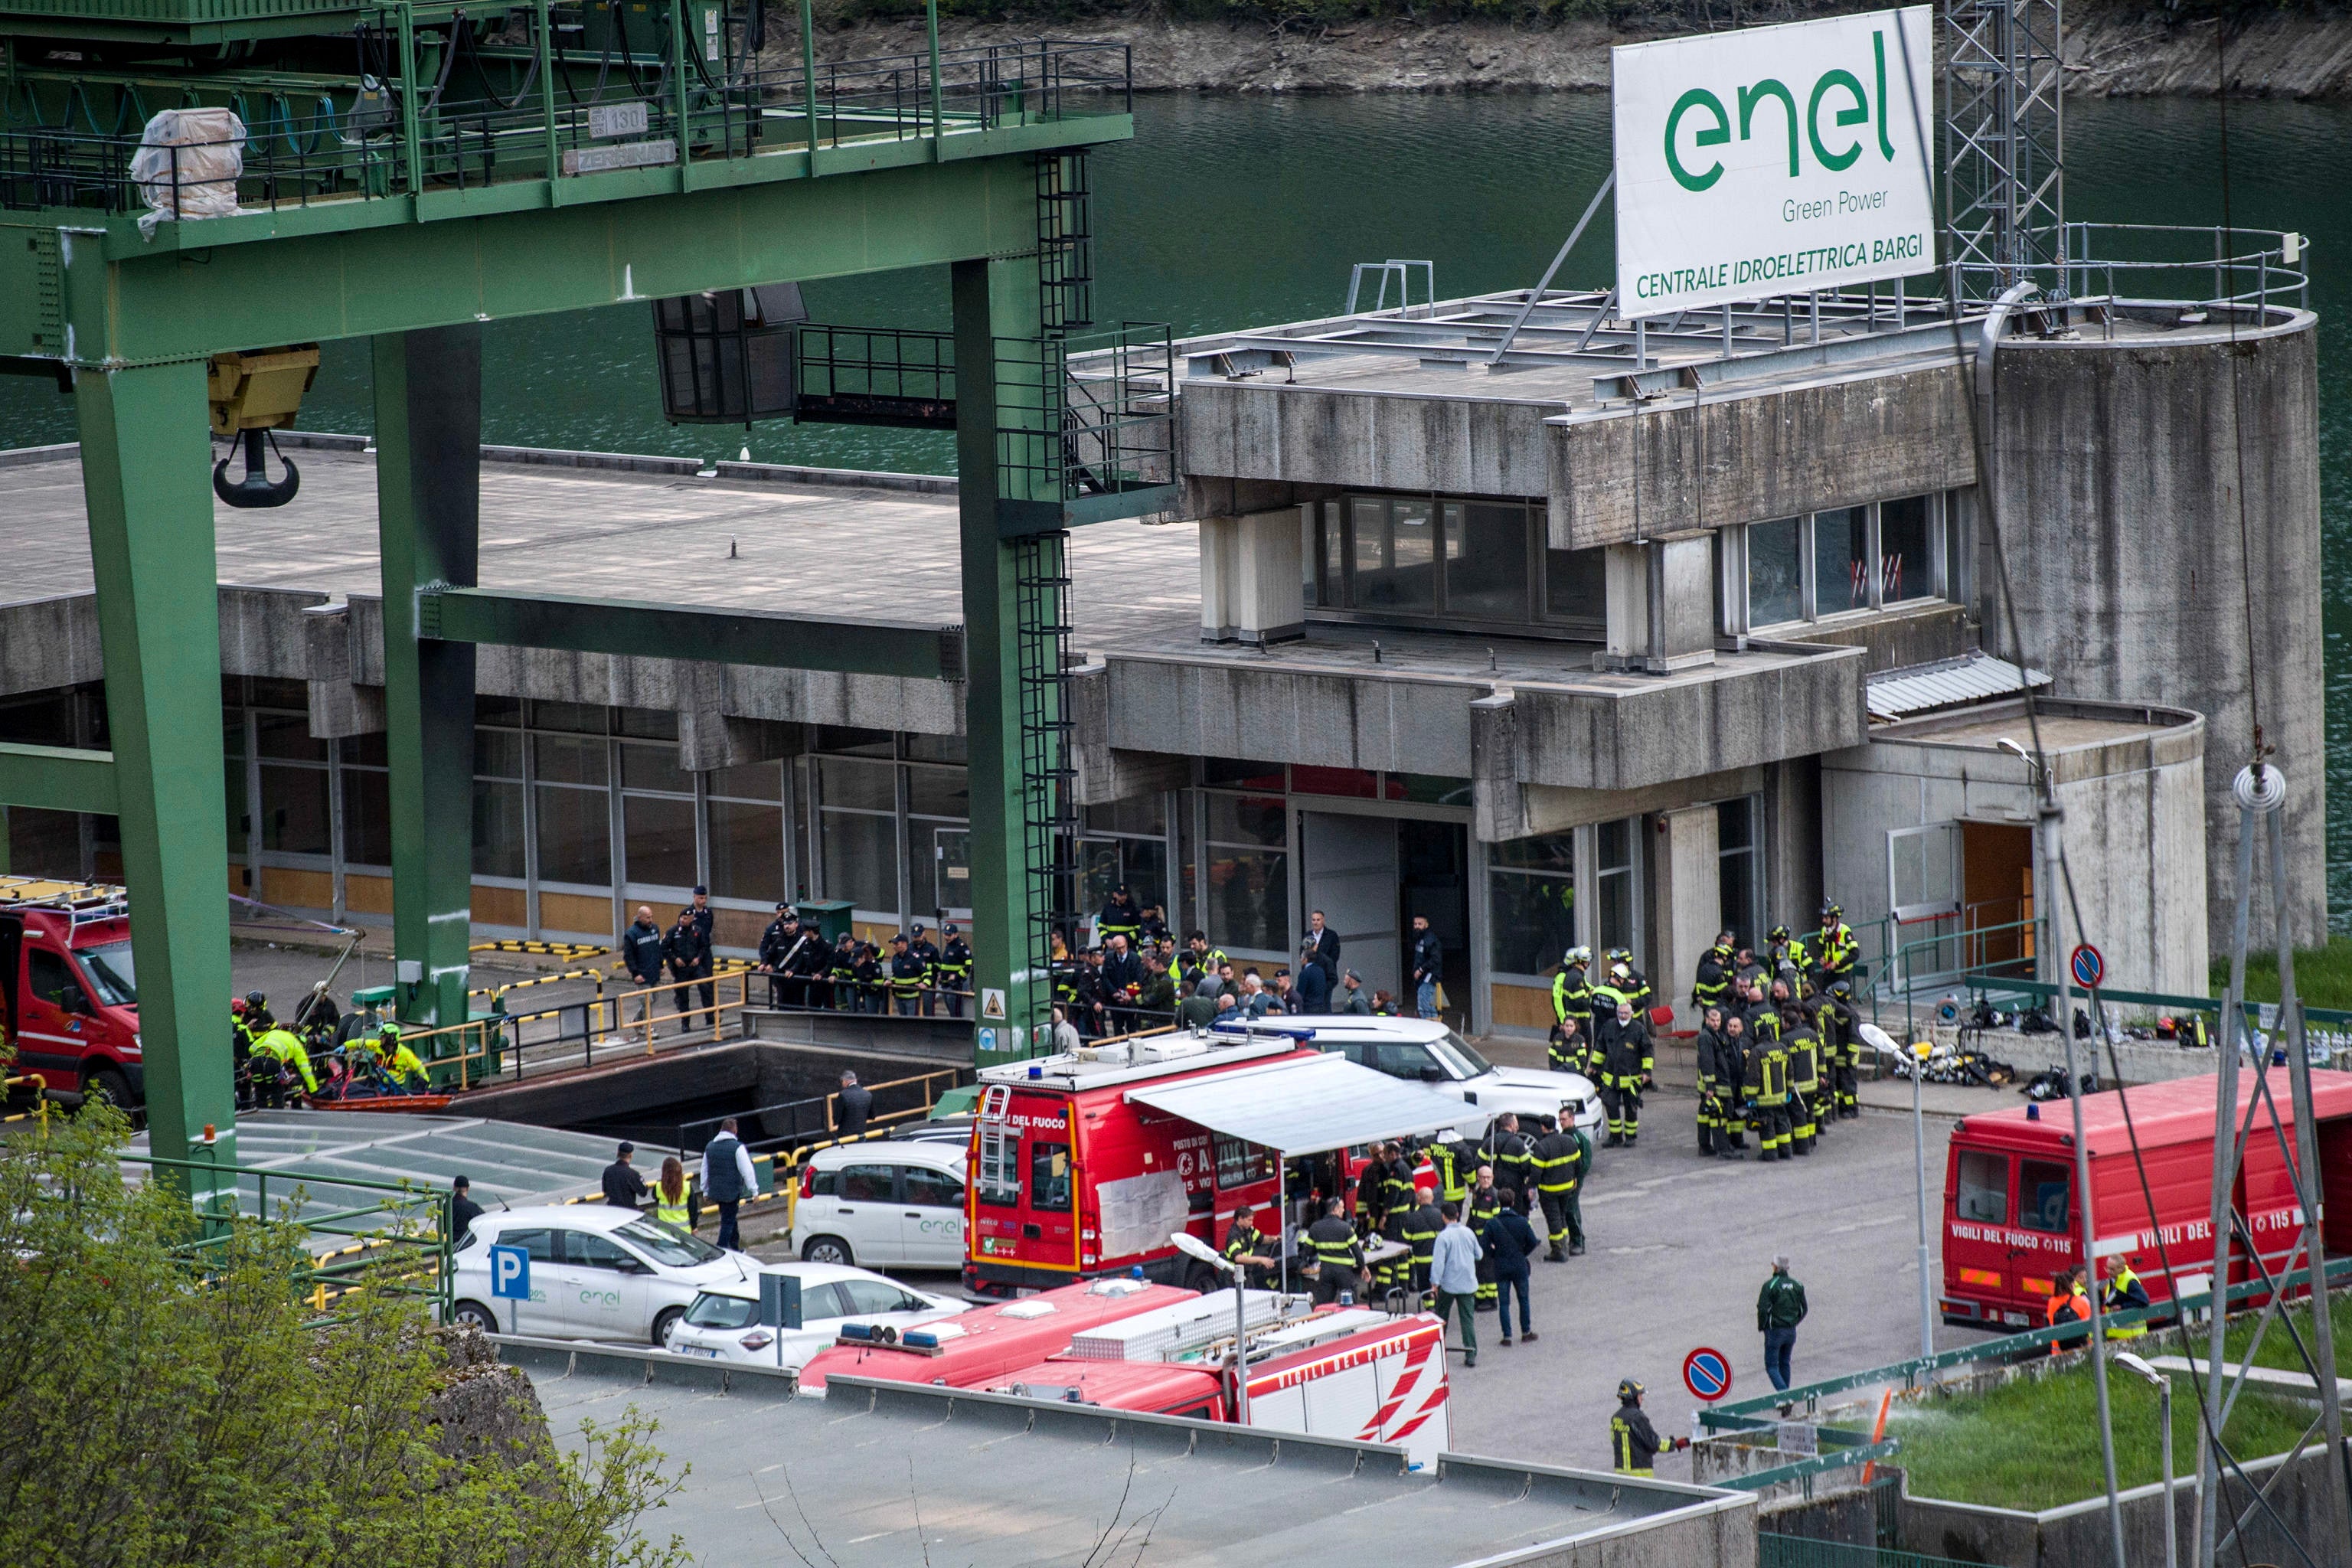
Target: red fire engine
pixel 69 995
pixel 1123 1344
pixel 2010 1222
pixel 1074 1171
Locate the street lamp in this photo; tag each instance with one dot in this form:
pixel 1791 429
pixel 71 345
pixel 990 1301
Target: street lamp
pixel 2132 1364
pixel 1191 1245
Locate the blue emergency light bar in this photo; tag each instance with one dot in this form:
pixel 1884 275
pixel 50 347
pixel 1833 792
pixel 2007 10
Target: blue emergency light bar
pixel 1293 1031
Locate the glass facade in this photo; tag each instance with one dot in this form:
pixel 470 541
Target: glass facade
pixel 1906 562
pixel 1246 870
pixel 1776 572
pixel 1840 561
pixel 1739 865
pixel 1851 559
pixel 1531 904
pixel 1617 891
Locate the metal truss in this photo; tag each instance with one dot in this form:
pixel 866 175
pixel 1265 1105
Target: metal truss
pixel 2004 178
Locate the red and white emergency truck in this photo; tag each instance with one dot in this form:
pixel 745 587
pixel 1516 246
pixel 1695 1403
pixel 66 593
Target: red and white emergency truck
pixel 68 993
pixel 1343 1371
pixel 2011 1220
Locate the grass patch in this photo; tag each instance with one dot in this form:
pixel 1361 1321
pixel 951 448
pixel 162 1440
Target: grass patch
pixel 2278 1346
pixel 2322 975
pixel 2035 1444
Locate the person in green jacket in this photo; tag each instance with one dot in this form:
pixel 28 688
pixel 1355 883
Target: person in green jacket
pixel 1779 1307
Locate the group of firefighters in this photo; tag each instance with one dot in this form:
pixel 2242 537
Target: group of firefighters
pixel 1778 1046
pixel 273 1060
pixel 916 978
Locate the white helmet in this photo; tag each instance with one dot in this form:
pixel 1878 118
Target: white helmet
pixel 1578 955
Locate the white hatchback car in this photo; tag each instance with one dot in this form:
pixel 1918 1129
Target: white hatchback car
pixel 723 1323
pixel 887 1205
pixel 598 1272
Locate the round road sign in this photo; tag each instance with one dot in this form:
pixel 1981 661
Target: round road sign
pixel 1708 1374
pixel 2090 969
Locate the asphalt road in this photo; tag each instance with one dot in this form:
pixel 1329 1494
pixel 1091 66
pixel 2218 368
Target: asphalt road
pixel 1676 1249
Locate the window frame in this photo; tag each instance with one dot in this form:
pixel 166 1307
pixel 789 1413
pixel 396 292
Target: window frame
pixel 1328 536
pixel 1943 550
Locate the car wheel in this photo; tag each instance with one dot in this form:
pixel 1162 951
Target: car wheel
pixel 109 1086
pixel 473 1314
pixel 826 1249
pixel 665 1324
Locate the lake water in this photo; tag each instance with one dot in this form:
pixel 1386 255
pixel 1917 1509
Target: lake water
pixel 1228 211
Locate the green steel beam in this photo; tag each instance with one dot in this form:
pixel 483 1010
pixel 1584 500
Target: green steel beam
pixel 718 634
pixel 55 778
pixel 994 299
pixel 146 454
pixel 326 276
pixel 428 437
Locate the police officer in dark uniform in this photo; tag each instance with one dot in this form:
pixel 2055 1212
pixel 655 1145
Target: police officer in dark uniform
pixel 778 946
pixel 1733 1054
pixel 954 971
pixel 1633 1442
pixel 907 975
pixel 842 966
pixel 1336 1254
pixel 867 969
pixel 706 920
pixel 688 949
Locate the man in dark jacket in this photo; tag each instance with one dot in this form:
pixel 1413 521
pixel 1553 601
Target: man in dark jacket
pixel 641 950
pixel 1779 1307
pixel 852 1106
pixel 1633 1442
pixel 463 1210
pixel 779 952
pixel 1320 947
pixel 1709 1046
pixel 1122 985
pixel 727 1180
pixel 1733 1048
pixel 1427 962
pixel 623 1188
pixel 706 920
pixel 689 952
pixel 1510 1241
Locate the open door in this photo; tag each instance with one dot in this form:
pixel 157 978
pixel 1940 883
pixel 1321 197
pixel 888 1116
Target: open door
pixel 1997 895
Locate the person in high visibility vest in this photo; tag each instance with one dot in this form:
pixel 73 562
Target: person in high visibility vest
pixel 1773 1127
pixel 1713 982
pixel 1246 1248
pixel 1633 1442
pixel 908 973
pixel 282 1045
pixel 1804 1052
pixel 2068 1303
pixel 1336 1254
pixel 954 971
pixel 1834 950
pixel 399 1066
pixel 1571 990
pixel 2124 1293
pixel 672 1206
pixel 1560 1160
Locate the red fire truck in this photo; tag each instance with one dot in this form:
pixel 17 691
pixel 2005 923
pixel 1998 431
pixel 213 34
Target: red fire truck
pixel 2010 1222
pixel 1124 1345
pixel 68 994
pixel 1076 1172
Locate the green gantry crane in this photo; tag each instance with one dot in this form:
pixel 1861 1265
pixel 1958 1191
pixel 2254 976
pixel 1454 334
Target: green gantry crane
pixel 186 180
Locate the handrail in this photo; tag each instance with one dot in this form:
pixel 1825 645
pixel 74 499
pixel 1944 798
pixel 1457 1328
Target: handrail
pixel 831 1103
pixel 1743 1414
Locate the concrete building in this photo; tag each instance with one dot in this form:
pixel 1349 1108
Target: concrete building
pixel 1548 647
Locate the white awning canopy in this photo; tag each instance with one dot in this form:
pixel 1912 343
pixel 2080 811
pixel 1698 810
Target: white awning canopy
pixel 1307 1107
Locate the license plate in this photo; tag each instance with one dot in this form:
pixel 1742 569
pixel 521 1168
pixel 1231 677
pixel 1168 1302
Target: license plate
pixel 703 1350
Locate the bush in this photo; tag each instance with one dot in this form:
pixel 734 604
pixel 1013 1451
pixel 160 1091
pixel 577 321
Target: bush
pixel 166 1411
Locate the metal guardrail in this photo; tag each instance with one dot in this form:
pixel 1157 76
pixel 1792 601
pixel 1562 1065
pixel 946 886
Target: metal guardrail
pixel 1748 1414
pixel 823 1113
pixel 68 138
pixel 2224 273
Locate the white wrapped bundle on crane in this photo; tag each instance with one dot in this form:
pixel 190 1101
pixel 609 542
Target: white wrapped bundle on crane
pixel 188 163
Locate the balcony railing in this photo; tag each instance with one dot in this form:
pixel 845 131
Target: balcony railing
pixel 68 140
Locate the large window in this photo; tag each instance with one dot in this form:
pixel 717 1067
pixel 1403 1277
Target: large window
pixel 571 798
pixel 747 832
pixel 1739 865
pixel 857 821
pixel 1125 842
pixel 939 852
pixel 1531 904
pixel 497 791
pixel 1617 904
pixel 657 809
pixel 367 801
pixel 1484 562
pixel 1248 871
pixel 296 816
pixel 1850 558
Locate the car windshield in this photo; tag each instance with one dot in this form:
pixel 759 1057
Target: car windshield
pixel 110 973
pixel 671 1248
pixel 714 1312
pixel 1456 1053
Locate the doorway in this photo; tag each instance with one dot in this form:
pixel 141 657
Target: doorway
pixel 1433 866
pixel 1997 895
pixel 1352 875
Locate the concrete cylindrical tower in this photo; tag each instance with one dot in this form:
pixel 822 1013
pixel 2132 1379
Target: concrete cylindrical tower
pixel 2118 465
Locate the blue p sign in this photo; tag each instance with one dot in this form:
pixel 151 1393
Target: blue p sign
pixel 509 1274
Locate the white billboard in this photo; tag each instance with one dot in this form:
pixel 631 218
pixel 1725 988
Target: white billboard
pixel 1772 160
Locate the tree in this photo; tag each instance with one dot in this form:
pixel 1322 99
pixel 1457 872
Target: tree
pixel 165 1404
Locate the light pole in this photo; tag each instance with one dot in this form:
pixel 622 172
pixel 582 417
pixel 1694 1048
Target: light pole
pixel 1879 1041
pixel 1191 1245
pixel 2130 1362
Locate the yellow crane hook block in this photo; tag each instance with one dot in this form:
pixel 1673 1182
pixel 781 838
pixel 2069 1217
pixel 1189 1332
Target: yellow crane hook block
pixel 261 389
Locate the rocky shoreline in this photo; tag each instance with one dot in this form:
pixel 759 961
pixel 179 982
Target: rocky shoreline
pixel 2109 53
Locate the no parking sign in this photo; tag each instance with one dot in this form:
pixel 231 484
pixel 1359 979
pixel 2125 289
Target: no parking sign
pixel 1707 1373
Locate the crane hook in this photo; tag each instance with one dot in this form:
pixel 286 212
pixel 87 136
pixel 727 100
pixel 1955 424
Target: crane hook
pixel 256 489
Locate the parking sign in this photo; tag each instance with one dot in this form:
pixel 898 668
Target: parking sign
pixel 509 1273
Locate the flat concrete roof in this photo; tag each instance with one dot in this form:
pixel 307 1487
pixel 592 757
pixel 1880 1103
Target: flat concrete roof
pixel 593 529
pixel 893 1475
pixel 2065 723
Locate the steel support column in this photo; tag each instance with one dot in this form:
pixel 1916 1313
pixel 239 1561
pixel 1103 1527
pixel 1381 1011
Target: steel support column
pixel 428 435
pixel 146 457
pixel 995 300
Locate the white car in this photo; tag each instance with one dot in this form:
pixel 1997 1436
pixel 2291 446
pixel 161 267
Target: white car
pixel 887 1205
pixel 723 1323
pixel 598 1272
pixel 1423 1050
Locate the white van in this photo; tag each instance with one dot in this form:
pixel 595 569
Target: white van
pixel 1423 1050
pixel 882 1204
